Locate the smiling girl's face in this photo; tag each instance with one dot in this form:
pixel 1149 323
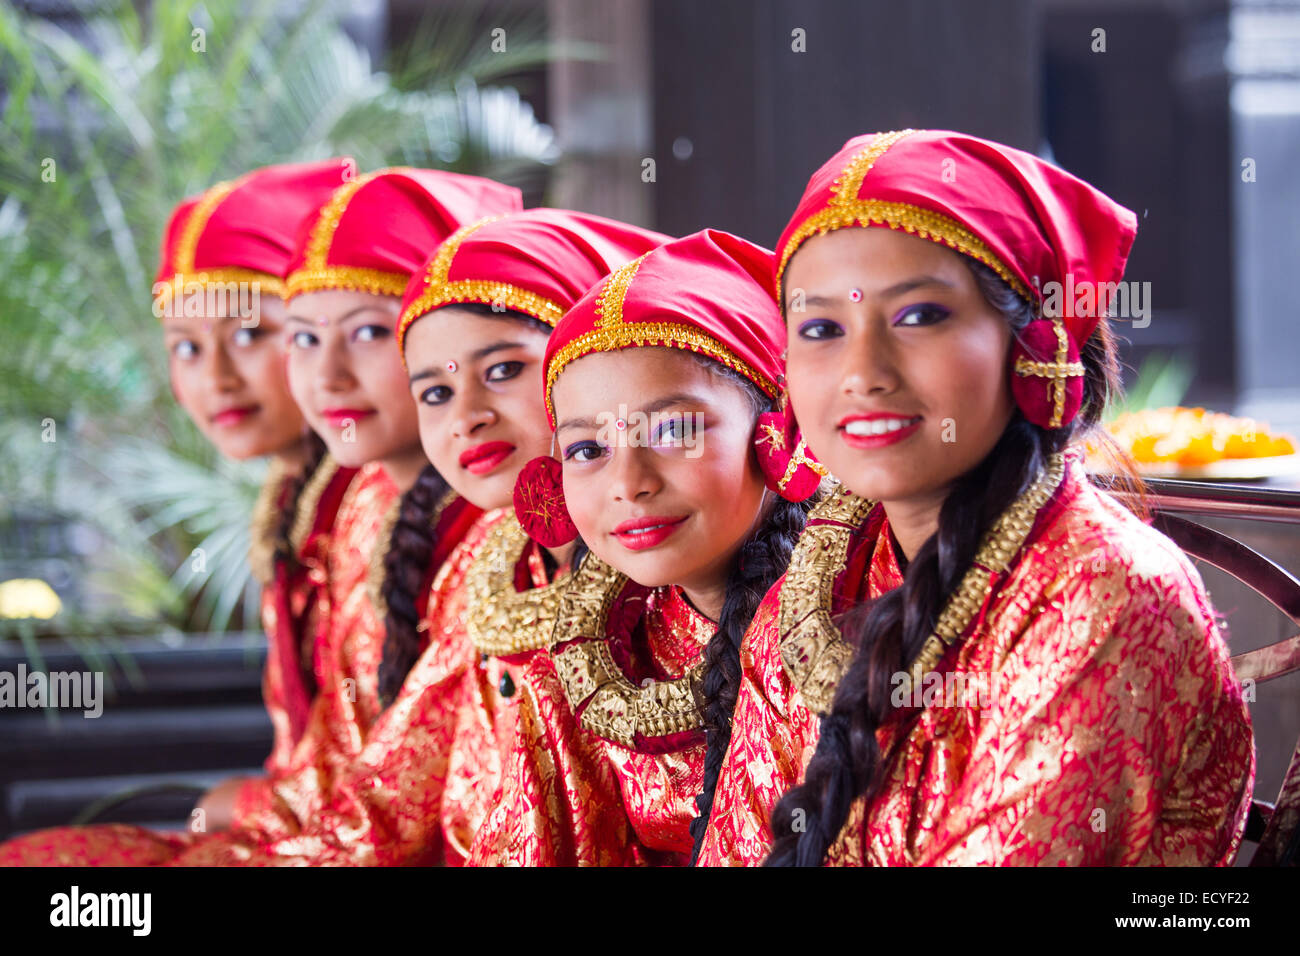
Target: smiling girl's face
pixel 347 377
pixel 477 382
pixel 897 366
pixel 675 507
pixel 230 379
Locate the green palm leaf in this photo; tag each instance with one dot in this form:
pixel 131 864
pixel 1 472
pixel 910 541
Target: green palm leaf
pixel 134 118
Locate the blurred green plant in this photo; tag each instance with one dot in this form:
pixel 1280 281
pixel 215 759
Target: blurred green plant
pixel 105 127
pixel 1162 380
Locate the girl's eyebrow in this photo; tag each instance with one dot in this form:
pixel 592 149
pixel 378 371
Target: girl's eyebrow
pixel 659 404
pixel 172 326
pixel 433 371
pixel 494 347
pixel 897 289
pixel 680 398
pixel 575 423
pixel 343 318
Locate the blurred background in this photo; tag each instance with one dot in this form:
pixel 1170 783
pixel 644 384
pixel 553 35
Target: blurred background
pixel 122 535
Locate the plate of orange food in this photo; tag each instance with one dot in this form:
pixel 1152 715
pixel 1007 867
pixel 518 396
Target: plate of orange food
pixel 1197 444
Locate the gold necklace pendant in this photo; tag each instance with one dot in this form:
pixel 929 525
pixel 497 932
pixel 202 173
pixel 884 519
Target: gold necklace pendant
pixel 500 619
pixel 606 702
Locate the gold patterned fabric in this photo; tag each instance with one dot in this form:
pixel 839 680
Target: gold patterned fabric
pixel 511 605
pixel 571 797
pixel 384 806
pixel 363 786
pixel 1100 721
pixel 295 608
pixel 774 728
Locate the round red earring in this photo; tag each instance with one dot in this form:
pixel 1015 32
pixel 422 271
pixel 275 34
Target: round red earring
pixel 789 468
pixel 539 503
pixel 1046 374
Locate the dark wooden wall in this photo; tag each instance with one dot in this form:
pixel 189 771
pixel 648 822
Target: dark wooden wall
pixel 761 117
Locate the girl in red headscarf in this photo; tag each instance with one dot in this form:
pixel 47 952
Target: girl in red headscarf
pixel 474 325
pixel 655 383
pixel 353 260
pixel 227 372
pixel 225 254
pixel 353 257
pixel 995 661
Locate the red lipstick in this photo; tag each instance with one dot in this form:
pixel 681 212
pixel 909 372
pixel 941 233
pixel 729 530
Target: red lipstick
pixel 638 534
pixel 485 458
pixel 233 416
pixel 339 417
pixel 857 435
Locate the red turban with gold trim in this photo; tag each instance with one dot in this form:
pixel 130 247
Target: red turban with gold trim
pixel 1027 220
pixel 244 230
pixel 705 293
pixel 539 262
pixel 377 230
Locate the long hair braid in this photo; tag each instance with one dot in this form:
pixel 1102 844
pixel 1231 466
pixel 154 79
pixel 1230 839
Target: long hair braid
pixel 761 561
pixel 888 633
pixel 284 555
pixel 406 563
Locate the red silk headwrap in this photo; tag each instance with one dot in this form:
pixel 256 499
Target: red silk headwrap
pixel 377 230
pixel 1029 221
pixel 706 293
pixel 244 230
pixel 539 262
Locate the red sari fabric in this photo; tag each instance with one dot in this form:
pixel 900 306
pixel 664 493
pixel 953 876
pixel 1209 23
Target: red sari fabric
pixel 332 762
pixel 572 798
pixel 1115 732
pixel 296 611
pixel 385 806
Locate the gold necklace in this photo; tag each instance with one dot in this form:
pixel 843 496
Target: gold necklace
pixel 500 619
pixel 814 654
pixel 609 704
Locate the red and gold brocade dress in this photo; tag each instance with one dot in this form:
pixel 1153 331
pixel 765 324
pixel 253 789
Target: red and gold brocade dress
pixel 1101 723
pixel 368 792
pixel 512 602
pixel 425 778
pixel 298 614
pixel 295 605
pixel 608 755
pixel 347 655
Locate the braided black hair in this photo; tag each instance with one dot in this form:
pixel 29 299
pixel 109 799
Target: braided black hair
pixel 284 555
pixel 889 632
pixel 761 561
pixel 410 552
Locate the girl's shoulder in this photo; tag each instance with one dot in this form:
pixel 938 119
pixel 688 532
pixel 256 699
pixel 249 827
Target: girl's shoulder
pixel 1100 584
pixel 1095 536
pixel 370 495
